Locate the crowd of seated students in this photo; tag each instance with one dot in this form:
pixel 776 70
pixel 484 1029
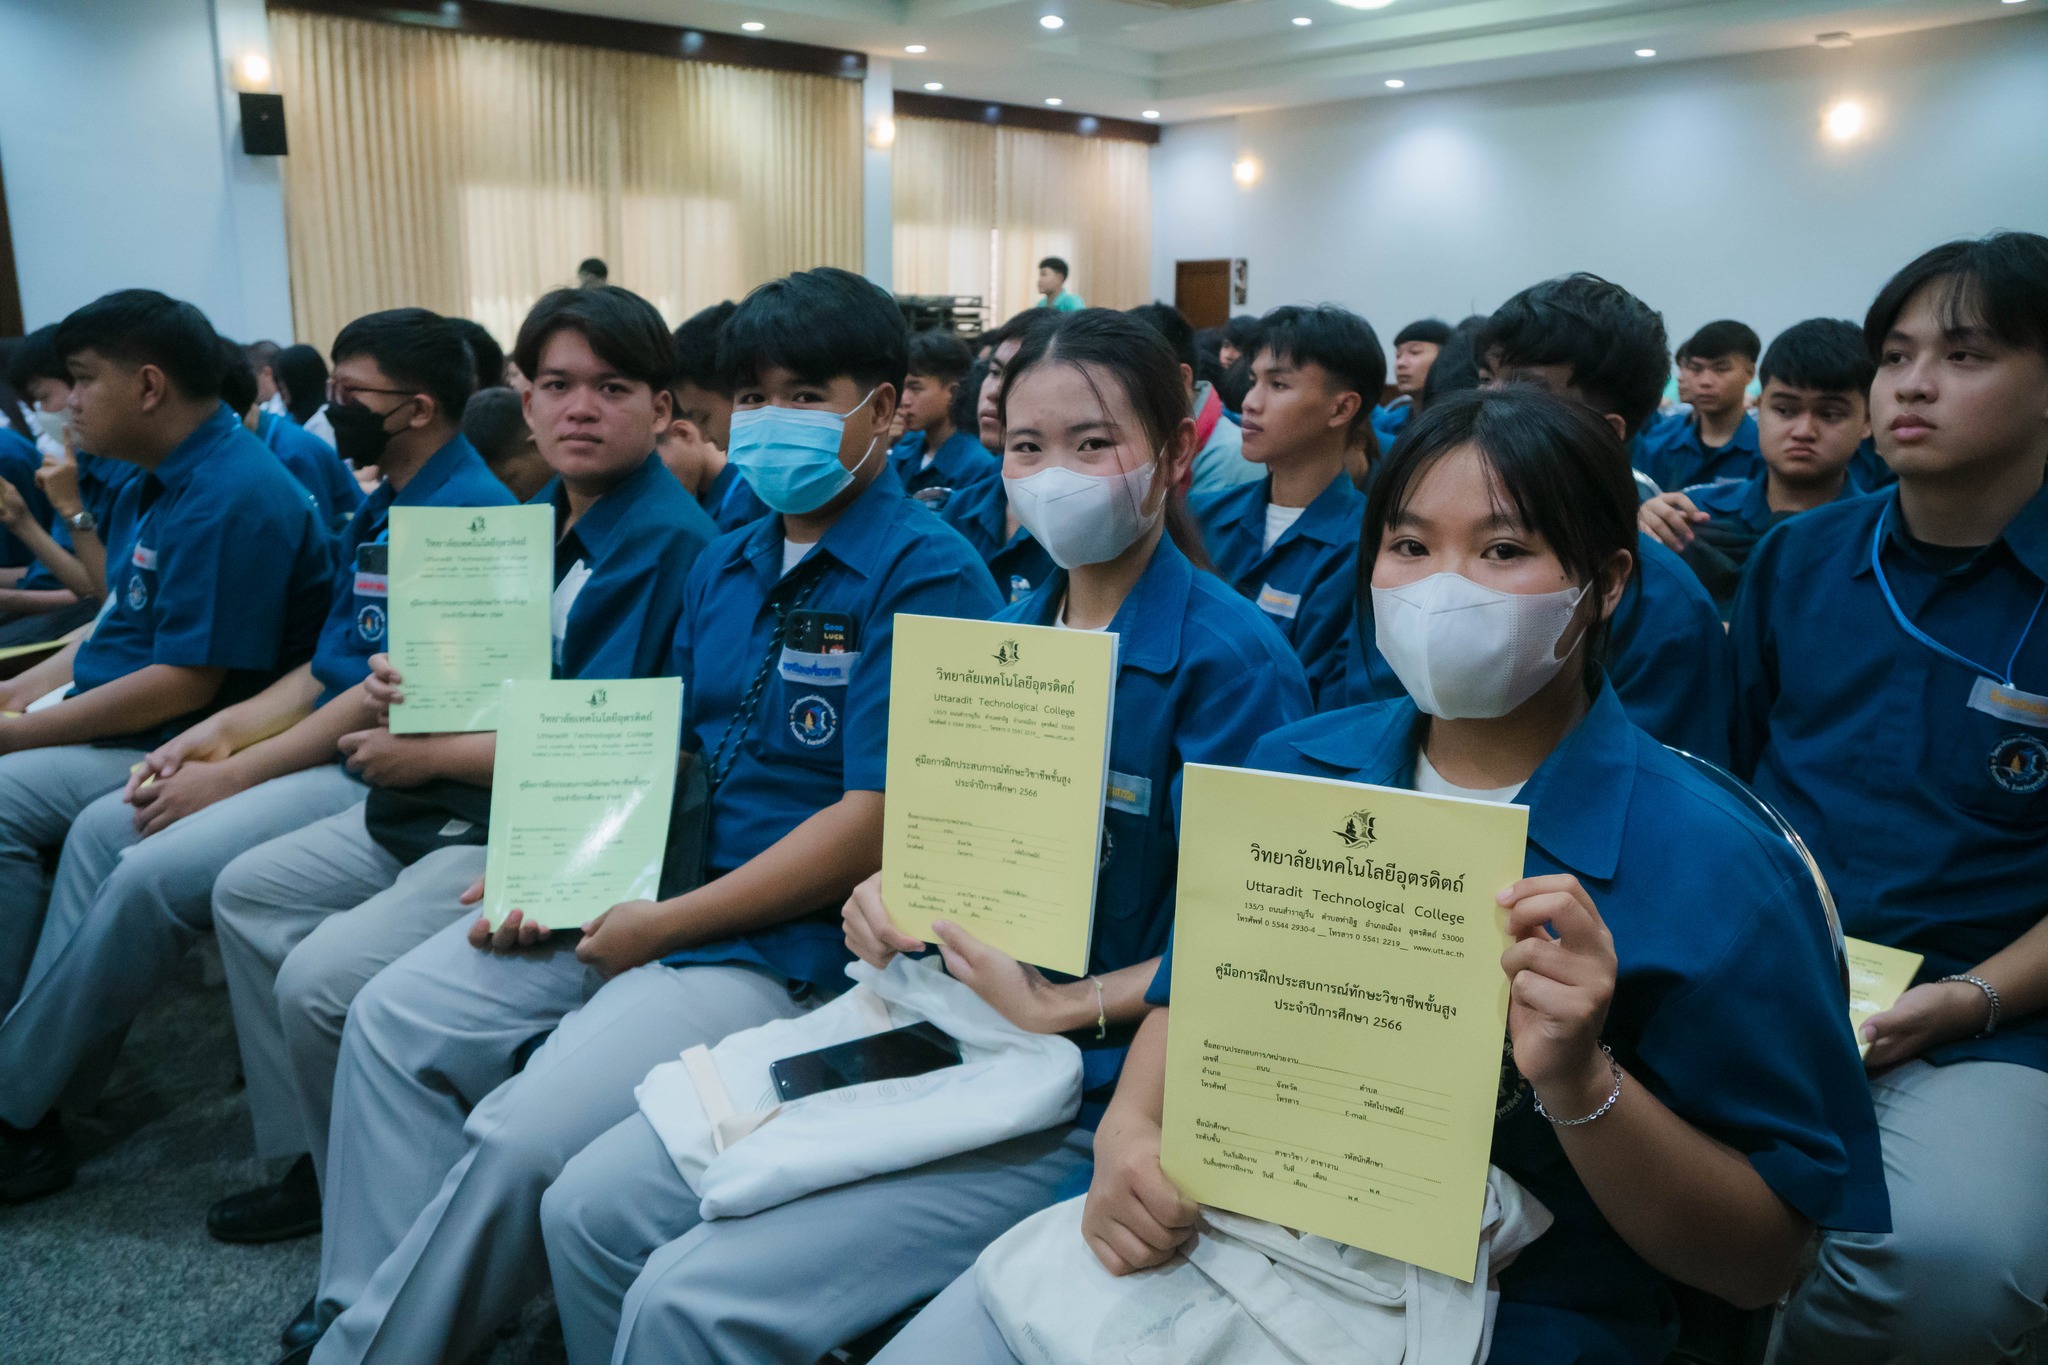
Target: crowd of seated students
pixel 1510 578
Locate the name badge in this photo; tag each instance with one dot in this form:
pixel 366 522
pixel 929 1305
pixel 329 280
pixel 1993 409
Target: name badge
pixel 143 558
pixel 827 670
pixel 2009 703
pixel 1129 794
pixel 1020 587
pixel 372 584
pixel 1274 602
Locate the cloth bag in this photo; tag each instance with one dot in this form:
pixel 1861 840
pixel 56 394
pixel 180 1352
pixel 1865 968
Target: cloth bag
pixel 741 1150
pixel 1247 1292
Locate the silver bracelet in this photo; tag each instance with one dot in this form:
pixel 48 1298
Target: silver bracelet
pixel 1990 994
pixel 1601 1112
pixel 1101 1010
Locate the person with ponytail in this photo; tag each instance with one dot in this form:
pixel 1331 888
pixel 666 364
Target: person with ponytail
pixel 1096 439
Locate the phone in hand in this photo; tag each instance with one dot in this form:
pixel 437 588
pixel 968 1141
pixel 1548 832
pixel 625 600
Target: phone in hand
pixel 901 1052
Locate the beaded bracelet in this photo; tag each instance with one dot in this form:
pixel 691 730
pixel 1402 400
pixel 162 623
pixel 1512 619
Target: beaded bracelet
pixel 1990 994
pixel 1612 1096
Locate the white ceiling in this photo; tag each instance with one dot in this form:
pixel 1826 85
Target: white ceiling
pixel 1200 58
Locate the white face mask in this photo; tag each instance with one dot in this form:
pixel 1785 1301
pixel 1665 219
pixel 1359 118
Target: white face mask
pixel 1467 652
pixel 51 424
pixel 1084 518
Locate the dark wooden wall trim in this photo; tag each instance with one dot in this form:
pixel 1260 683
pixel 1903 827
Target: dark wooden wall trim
pixel 913 104
pixel 493 19
pixel 10 283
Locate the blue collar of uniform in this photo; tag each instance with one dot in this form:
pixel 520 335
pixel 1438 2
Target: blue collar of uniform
pixel 189 454
pixel 600 525
pixel 1577 798
pixel 1148 624
pixel 855 540
pixel 721 483
pixel 1334 516
pixel 1745 437
pixel 1756 499
pixel 955 457
pixel 440 467
pixel 2026 535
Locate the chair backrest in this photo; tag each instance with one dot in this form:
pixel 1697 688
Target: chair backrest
pixel 1768 814
pixel 1646 487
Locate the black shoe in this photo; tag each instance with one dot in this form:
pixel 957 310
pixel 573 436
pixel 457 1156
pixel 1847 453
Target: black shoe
pixel 305 1329
pixel 34 1161
pixel 270 1213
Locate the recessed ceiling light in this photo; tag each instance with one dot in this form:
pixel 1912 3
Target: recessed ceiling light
pixel 1302 21
pixel 1843 120
pixel 753 26
pixel 934 85
pixel 2013 2
pixel 1055 101
pixel 1396 84
pixel 914 48
pixel 1150 113
pixel 1646 52
pixel 1364 4
pixel 1051 21
pixel 1246 171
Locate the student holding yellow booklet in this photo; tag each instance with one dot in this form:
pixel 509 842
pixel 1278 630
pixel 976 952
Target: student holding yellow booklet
pixel 1681 1094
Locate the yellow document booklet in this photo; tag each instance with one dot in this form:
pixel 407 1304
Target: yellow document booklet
pixel 1339 1008
pixel 1878 976
pixel 998 756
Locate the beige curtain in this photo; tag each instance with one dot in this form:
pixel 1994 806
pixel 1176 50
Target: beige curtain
pixel 977 208
pixel 470 175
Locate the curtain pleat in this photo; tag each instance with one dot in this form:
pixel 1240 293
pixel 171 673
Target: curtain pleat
pixel 469 175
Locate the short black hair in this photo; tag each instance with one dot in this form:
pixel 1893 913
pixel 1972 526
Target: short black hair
pixel 1557 463
pixel 237 378
pixel 1720 339
pixel 1435 331
pixel 484 350
pixel 1171 324
pixel 625 330
pixel 697 348
pixel 1242 331
pixel 965 412
pixel 591 265
pixel 1055 263
pixel 1820 353
pixel 144 327
pixel 1998 283
pixel 302 377
pixel 262 355
pixel 495 423
pixel 819 325
pixel 416 348
pixel 1456 366
pixel 1612 340
pixel 35 357
pixel 938 354
pixel 1337 339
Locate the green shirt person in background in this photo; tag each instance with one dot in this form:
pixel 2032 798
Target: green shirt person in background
pixel 1052 283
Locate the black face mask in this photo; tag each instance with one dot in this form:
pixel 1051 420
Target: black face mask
pixel 359 434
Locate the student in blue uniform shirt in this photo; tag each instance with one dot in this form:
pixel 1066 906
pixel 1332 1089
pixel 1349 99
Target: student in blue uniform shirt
pixel 1219 457
pixel 1415 350
pixel 694 442
pixel 784 652
pixel 938 459
pixel 1868 471
pixel 133 887
pixel 1681 1093
pixel 1717 439
pixel 1892 700
pixel 19 461
pixel 1095 435
pixel 494 421
pixel 218 585
pixel 983 513
pixel 1290 541
pixel 1814 414
pixel 311 460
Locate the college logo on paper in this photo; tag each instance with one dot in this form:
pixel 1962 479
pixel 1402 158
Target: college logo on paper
pixel 476 525
pixel 2019 764
pixel 599 697
pixel 1357 831
pixel 1008 653
pixel 813 721
pixel 370 623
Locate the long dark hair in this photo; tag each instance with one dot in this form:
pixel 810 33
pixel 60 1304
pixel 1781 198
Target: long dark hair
pixel 1143 365
pixel 1557 464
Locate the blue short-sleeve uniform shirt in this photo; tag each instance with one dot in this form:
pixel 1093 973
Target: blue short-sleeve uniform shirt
pixel 19 461
pixel 1388 422
pixel 1670 451
pixel 1924 797
pixel 731 500
pixel 1740 513
pixel 358 619
pixel 100 482
pixel 217 561
pixel 1728 1007
pixel 314 464
pixel 1016 561
pixel 1307 583
pixel 820 721
pixel 961 462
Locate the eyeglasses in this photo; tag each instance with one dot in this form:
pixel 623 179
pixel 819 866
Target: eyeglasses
pixel 340 394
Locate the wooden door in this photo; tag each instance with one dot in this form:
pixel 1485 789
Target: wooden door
pixel 1201 290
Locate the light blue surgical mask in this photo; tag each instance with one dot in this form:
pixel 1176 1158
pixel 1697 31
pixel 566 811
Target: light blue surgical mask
pixel 790 456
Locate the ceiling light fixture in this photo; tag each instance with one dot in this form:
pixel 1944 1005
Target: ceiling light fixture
pixel 934 86
pixel 1051 21
pixel 1396 83
pixel 1302 21
pixel 915 49
pixel 1150 113
pixel 1055 101
pixel 1844 121
pixel 254 69
pixel 1835 39
pixel 753 26
pixel 1246 171
pixel 1646 52
pixel 1363 4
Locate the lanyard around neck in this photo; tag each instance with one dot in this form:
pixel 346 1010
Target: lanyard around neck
pixel 1905 624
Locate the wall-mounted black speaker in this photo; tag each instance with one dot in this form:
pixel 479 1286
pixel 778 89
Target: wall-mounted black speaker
pixel 263 125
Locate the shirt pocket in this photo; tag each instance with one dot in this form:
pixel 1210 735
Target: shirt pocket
pixel 804 722
pixel 1992 768
pixel 372 595
pixel 138 594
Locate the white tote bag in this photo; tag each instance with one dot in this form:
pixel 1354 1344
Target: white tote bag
pixel 1246 1292
pixel 742 1150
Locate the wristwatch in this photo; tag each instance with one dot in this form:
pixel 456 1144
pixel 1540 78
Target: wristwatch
pixel 83 520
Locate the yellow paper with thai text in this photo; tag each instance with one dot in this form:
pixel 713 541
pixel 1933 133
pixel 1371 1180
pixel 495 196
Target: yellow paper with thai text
pixel 1878 976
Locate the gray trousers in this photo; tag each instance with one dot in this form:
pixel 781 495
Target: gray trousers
pixel 640 1278
pixel 304 921
pixel 123 910
pixel 439 1153
pixel 1963 1275
pixel 955 1327
pixel 42 792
